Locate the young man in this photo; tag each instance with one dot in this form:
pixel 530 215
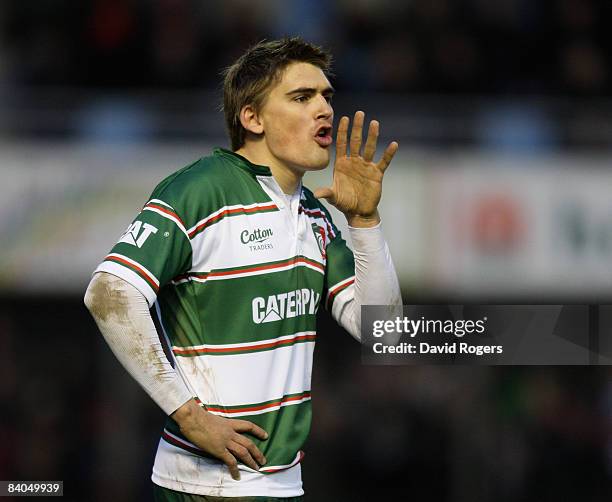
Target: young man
pixel 236 256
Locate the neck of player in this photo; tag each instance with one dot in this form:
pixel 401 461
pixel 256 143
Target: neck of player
pixel 288 178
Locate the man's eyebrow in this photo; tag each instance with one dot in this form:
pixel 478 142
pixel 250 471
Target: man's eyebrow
pixel 311 90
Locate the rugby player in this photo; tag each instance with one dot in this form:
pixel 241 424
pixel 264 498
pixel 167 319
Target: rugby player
pixel 227 265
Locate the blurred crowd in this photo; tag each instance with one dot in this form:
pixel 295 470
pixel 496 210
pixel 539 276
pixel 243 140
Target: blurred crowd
pixel 511 75
pixel 438 46
pixel 69 412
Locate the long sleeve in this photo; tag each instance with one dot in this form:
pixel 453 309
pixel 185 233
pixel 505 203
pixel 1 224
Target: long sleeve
pixel 375 281
pixel 122 315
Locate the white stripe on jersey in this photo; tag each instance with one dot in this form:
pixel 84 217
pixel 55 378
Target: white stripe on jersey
pixel 168 216
pixel 157 201
pixel 254 377
pixel 229 208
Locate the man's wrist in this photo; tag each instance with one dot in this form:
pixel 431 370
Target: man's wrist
pixel 360 221
pixel 185 412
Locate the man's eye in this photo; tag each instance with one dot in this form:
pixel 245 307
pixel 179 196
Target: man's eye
pixel 328 99
pixel 301 99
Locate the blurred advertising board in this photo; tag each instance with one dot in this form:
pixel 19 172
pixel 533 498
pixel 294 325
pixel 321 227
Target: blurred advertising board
pixel 521 227
pixel 62 208
pixel 458 224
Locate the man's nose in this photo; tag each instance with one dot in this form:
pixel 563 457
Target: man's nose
pixel 325 109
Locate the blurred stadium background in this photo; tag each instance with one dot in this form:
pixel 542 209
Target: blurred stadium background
pixel 501 192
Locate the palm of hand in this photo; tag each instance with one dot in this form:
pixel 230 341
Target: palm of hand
pixel 357 185
pixel 357 181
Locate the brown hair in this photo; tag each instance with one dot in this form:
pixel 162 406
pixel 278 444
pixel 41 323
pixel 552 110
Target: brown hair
pixel 249 79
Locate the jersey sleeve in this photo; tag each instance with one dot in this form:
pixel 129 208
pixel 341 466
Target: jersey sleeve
pixel 153 250
pixel 340 268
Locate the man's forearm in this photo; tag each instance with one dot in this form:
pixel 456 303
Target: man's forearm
pixel 122 315
pixel 375 278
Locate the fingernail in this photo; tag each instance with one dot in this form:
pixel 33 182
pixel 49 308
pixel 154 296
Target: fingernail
pixel 265 461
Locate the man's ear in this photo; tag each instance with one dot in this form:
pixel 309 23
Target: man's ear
pixel 250 119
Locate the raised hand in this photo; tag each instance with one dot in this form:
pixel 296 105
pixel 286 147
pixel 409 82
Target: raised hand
pixel 357 179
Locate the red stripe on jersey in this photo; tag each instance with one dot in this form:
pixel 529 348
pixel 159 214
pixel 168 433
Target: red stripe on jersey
pixel 243 348
pixel 228 212
pixel 257 268
pixel 165 210
pixel 334 292
pixel 152 282
pixel 274 404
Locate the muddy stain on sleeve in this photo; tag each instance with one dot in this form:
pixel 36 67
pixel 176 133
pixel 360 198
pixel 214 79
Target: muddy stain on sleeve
pixel 127 326
pixel 106 298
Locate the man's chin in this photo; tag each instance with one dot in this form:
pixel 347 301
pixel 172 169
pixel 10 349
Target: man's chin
pixel 319 164
pixel 314 163
pixel 318 167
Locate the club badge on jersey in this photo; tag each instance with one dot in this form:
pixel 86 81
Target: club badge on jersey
pixel 320 235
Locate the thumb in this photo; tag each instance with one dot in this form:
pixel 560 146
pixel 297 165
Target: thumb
pixel 325 193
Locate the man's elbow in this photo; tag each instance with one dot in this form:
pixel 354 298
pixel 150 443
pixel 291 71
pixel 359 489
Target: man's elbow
pixel 88 299
pixel 104 296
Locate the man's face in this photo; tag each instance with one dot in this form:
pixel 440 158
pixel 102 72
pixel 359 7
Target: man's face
pixel 297 118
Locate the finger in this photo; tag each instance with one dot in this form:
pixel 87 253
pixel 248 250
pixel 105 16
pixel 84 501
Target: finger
pixel 341 137
pixel 241 453
pixel 232 464
pixel 356 133
pixel 371 141
pixel 253 450
pixel 244 426
pixel 388 155
pixel 325 193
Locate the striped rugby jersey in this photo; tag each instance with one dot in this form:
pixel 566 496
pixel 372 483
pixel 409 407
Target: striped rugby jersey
pixel 236 278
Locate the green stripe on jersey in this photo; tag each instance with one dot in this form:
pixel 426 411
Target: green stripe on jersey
pixel 150 240
pixel 211 183
pixel 340 265
pixel 262 307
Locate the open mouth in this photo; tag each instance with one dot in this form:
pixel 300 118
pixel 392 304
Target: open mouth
pixel 323 136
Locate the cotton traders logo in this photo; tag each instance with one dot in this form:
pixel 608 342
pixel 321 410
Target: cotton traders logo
pixel 256 240
pixel 137 233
